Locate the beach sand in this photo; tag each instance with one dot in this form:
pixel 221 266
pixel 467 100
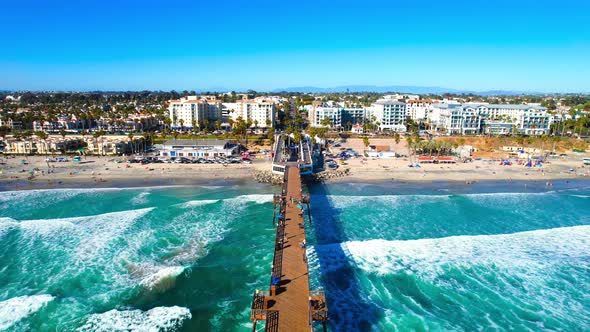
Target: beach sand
pixel 478 170
pixel 103 172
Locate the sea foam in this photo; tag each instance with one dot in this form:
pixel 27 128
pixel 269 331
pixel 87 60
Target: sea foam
pixel 17 308
pixel 196 203
pixel 258 199
pixel 527 249
pixel 162 279
pixel 156 319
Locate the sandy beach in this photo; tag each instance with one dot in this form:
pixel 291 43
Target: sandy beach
pixel 478 170
pixel 103 172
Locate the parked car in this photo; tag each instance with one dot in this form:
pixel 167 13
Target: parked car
pixel 331 164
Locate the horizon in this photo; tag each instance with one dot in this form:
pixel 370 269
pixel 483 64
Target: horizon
pixel 523 47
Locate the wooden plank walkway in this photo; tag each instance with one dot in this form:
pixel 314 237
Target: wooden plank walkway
pixel 290 305
pixel 291 299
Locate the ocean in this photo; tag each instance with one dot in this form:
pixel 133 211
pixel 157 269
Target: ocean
pixel 490 256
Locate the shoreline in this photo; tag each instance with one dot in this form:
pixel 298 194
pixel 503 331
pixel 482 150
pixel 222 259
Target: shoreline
pixel 243 178
pixel 102 173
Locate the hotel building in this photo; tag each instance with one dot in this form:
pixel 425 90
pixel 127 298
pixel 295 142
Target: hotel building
pixel 490 118
pixel 391 114
pixel 186 110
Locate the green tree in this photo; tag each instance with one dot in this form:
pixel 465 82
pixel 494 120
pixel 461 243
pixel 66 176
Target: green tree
pixel 270 135
pixel 366 141
pixel 130 136
pixel 326 122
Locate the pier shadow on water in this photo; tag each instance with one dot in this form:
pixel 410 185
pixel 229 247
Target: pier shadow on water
pixel 348 309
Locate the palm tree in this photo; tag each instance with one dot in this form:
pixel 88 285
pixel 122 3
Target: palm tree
pixel 43 136
pixel 410 142
pixel 96 135
pixel 130 136
pixel 326 122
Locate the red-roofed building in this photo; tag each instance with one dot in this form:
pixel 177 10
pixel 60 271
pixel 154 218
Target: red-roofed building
pixel 357 129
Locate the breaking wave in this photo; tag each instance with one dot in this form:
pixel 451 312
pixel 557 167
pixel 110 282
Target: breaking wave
pixel 195 203
pixel 142 198
pixel 162 279
pixel 536 278
pixel 258 199
pixel 156 319
pixel 17 308
pixel 426 256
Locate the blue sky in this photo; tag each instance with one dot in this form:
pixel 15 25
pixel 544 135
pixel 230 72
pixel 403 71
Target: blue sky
pixel 127 44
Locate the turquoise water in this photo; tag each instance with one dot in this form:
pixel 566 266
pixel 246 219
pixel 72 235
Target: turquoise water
pixel 437 257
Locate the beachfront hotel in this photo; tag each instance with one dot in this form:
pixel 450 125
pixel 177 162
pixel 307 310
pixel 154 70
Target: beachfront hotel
pixel 194 110
pixel 389 114
pixel 259 111
pixel 493 119
pixel 339 116
pixel 417 109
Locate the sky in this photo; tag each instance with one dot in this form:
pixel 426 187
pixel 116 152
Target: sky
pixel 524 45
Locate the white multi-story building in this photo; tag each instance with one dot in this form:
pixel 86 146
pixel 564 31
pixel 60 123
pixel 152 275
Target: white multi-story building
pixel 401 96
pixel 473 118
pixel 260 112
pixel 455 119
pixel 390 114
pixel 339 115
pixel 417 109
pixel 192 109
pixel 319 113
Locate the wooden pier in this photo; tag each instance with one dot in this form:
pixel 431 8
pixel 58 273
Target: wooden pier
pixel 289 305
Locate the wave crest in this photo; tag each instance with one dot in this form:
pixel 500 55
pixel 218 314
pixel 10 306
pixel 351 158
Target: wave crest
pixel 156 319
pixel 17 308
pixel 527 249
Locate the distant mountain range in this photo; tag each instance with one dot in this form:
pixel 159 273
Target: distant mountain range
pixel 421 90
pixel 399 89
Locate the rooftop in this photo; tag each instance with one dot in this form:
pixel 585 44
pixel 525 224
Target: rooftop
pixel 389 102
pixel 195 142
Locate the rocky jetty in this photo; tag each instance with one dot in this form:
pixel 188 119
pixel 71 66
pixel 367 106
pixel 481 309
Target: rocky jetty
pixel 327 175
pixel 269 177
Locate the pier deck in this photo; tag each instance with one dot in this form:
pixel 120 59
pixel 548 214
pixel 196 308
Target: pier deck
pixel 289 305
